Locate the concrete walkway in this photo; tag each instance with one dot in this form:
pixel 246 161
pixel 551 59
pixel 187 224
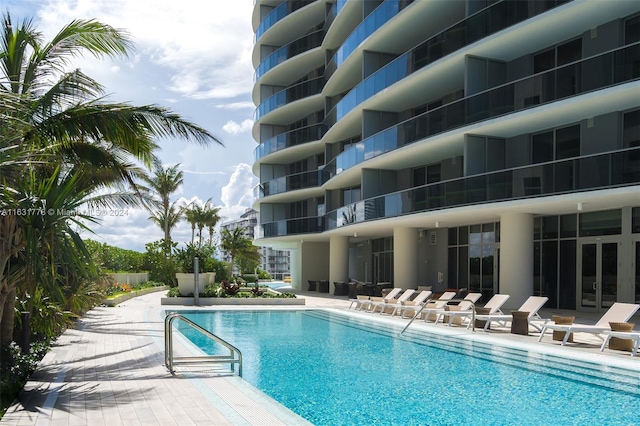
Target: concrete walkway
pixel 109 370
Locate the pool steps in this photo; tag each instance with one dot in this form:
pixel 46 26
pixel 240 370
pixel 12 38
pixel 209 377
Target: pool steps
pixel 612 377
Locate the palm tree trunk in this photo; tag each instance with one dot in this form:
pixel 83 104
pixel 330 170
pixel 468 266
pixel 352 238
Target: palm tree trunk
pixel 7 305
pixel 10 243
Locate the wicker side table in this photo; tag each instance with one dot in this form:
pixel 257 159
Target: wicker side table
pixel 561 319
pixel 620 344
pixel 520 322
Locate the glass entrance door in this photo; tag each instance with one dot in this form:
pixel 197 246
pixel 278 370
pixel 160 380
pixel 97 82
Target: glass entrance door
pixel 598 272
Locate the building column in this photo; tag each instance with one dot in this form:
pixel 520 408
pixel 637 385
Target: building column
pixel 405 257
pixel 516 257
pixel 338 260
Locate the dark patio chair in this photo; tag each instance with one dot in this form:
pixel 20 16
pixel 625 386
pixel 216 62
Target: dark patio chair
pixel 312 285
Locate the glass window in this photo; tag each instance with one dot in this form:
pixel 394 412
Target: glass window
pixel 549 227
pixel 568 226
pixel 568 142
pixel 601 223
pixel 544 61
pixel 570 52
pixel 475 234
pixel 453 236
pixel 631 129
pixel 632 30
pixel 419 176
pixel 433 173
pixel 463 235
pixel 635 220
pixel 542 147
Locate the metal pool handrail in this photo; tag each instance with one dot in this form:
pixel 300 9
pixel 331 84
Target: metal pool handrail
pixel 234 357
pixel 473 312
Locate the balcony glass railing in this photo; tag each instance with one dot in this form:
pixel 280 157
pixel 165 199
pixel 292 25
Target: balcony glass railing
pixel 287 140
pixel 274 16
pixel 290 94
pixel 310 179
pixel 376 19
pixel 617 169
pixel 601 171
pixel 616 67
pixel 489 21
pixel 281 228
pixel 296 47
pixel 282 10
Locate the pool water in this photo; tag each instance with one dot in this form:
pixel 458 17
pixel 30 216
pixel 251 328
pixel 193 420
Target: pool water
pixel 333 369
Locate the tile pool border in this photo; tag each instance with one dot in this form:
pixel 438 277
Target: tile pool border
pixel 598 359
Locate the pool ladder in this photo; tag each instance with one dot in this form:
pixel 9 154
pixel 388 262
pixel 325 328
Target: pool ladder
pixel 234 357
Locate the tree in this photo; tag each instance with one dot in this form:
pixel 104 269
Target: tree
pixel 191 215
pixel 75 141
pixel 235 242
pixel 163 183
pixel 211 219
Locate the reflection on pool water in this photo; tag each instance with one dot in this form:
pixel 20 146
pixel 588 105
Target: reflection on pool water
pixel 332 368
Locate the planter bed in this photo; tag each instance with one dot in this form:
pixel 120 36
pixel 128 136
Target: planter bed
pixel 227 301
pixel 113 301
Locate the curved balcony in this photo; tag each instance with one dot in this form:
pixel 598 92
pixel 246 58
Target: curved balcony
pixel 280 11
pixel 289 139
pixel 290 94
pixel 594 172
pixel 618 67
pixel 274 16
pixel 296 47
pixel 310 179
pixel 488 21
pixel 282 228
pixel 376 19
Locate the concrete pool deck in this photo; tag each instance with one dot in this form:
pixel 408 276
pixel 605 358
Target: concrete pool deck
pixel 109 370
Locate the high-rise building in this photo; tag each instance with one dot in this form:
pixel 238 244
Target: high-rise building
pixel 479 144
pixel 275 262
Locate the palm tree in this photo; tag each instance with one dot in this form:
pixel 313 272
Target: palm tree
pixel 88 141
pixel 235 243
pixel 211 218
pixel 191 215
pixel 163 183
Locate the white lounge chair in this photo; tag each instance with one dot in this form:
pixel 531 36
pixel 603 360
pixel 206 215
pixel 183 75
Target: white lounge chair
pixel 494 304
pixel 388 303
pixel 634 336
pixel 469 300
pixel 363 302
pixel 412 305
pixel 531 305
pixel 360 301
pixel 618 312
pixel 432 309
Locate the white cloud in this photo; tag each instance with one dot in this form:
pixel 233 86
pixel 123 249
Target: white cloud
pixel 237 195
pixel 205 46
pixel 234 128
pixel 237 105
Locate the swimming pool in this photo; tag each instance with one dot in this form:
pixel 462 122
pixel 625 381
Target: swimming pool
pixel 332 368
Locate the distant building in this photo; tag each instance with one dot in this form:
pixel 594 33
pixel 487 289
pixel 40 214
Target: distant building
pixel 275 262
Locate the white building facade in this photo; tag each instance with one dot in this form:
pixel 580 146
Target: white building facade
pixel 479 144
pixel 275 262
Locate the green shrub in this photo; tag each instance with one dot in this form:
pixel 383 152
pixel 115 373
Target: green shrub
pixel 15 373
pixel 173 292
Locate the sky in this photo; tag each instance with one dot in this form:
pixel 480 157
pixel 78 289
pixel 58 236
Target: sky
pixel 192 56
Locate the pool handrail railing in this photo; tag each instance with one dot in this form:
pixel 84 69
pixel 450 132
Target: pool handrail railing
pixel 234 357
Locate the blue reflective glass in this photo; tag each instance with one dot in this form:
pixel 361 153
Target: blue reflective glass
pixel 274 16
pixel 376 19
